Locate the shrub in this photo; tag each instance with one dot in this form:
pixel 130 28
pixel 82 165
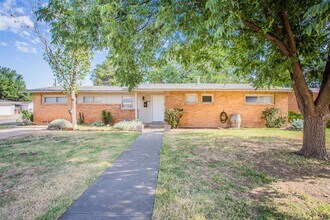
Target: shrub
pixel 107 117
pixel 98 124
pixel 172 116
pixel 81 118
pixel 23 122
pixel 273 118
pixel 328 123
pixel 296 125
pixel 60 124
pixel 293 116
pixel 27 115
pixel 128 125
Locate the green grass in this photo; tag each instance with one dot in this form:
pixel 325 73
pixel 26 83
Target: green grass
pixel 240 174
pixel 41 175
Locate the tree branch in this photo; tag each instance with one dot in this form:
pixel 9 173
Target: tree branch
pixel 323 99
pixel 287 26
pixel 271 37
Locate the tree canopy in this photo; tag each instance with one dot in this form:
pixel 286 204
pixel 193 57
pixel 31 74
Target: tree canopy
pixel 12 86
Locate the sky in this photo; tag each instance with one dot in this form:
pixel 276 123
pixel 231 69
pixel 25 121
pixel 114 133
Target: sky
pixel 21 50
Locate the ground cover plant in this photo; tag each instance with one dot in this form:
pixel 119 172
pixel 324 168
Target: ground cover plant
pixel 240 174
pixel 41 175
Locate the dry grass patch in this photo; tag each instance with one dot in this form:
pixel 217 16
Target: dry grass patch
pixel 41 175
pixel 240 174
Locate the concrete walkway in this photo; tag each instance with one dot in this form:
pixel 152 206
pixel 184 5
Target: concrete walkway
pixel 22 130
pixel 126 190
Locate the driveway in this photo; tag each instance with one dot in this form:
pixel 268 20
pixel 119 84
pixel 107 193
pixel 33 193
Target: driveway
pixel 22 130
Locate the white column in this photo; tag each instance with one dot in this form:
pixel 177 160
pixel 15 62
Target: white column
pixel 136 105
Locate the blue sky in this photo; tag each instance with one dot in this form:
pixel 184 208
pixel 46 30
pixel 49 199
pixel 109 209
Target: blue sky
pixel 21 50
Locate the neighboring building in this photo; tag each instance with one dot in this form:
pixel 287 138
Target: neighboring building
pixel 201 103
pixel 7 108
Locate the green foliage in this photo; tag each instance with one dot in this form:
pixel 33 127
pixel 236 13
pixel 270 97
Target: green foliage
pixel 107 117
pixel 321 13
pixel 27 115
pixel 60 124
pixel 81 119
pixel 98 124
pixel 328 123
pixel 293 116
pixel 172 116
pixel 128 125
pixel 67 53
pixel 296 125
pixel 12 85
pixel 272 118
pixel 104 75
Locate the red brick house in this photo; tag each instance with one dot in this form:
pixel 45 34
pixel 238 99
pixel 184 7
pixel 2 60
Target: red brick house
pixel 201 103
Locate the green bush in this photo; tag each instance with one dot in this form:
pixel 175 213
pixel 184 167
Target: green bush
pixel 296 125
pixel 272 118
pixel 60 124
pixel 328 123
pixel 107 117
pixel 27 115
pixel 128 125
pixel 293 116
pixel 98 124
pixel 172 116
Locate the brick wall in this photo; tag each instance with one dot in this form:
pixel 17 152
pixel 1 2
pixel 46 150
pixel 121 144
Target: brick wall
pixel 45 113
pixel 232 102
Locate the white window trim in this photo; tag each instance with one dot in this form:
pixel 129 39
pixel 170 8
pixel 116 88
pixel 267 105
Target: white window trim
pixel 191 94
pixel 125 108
pixel 93 103
pixel 54 96
pixel 258 103
pixel 207 103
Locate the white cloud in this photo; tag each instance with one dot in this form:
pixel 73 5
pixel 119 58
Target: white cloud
pixel 14 25
pixel 3 44
pixel 25 47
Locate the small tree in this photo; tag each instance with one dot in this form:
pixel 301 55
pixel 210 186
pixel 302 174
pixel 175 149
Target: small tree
pixel 68 57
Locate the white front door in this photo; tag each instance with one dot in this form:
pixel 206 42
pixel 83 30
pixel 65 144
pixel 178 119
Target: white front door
pixel 158 107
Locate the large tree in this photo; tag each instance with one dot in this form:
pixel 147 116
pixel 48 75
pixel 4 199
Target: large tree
pixel 270 42
pixel 12 86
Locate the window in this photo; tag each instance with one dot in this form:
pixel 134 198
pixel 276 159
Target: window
pixel 207 99
pixel 92 99
pixel 259 99
pixel 127 103
pixel 191 99
pixel 55 100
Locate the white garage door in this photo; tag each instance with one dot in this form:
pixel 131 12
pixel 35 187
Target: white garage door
pixel 7 110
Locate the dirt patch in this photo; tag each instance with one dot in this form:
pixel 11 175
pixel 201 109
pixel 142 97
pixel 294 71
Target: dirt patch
pixel 25 154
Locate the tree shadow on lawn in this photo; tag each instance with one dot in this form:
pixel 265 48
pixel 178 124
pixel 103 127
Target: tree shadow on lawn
pixel 255 177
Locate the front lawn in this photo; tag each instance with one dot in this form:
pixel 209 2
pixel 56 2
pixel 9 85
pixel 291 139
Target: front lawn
pixel 240 174
pixel 41 175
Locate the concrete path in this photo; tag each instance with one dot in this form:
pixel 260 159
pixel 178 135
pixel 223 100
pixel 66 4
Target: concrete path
pixel 21 130
pixel 126 190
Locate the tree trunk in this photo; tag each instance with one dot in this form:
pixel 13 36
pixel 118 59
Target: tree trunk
pixel 314 137
pixel 73 110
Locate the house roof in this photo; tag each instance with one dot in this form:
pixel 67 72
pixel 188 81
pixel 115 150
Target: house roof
pixel 165 87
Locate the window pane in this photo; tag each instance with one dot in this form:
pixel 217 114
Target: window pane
pixel 191 99
pixel 50 100
pixel 127 102
pixel 207 99
pixel 97 99
pixel 88 99
pixel 251 99
pixel 266 99
pixel 61 99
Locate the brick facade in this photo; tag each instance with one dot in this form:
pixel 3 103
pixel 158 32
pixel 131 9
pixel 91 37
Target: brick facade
pixel 195 115
pixel 232 102
pixel 45 113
